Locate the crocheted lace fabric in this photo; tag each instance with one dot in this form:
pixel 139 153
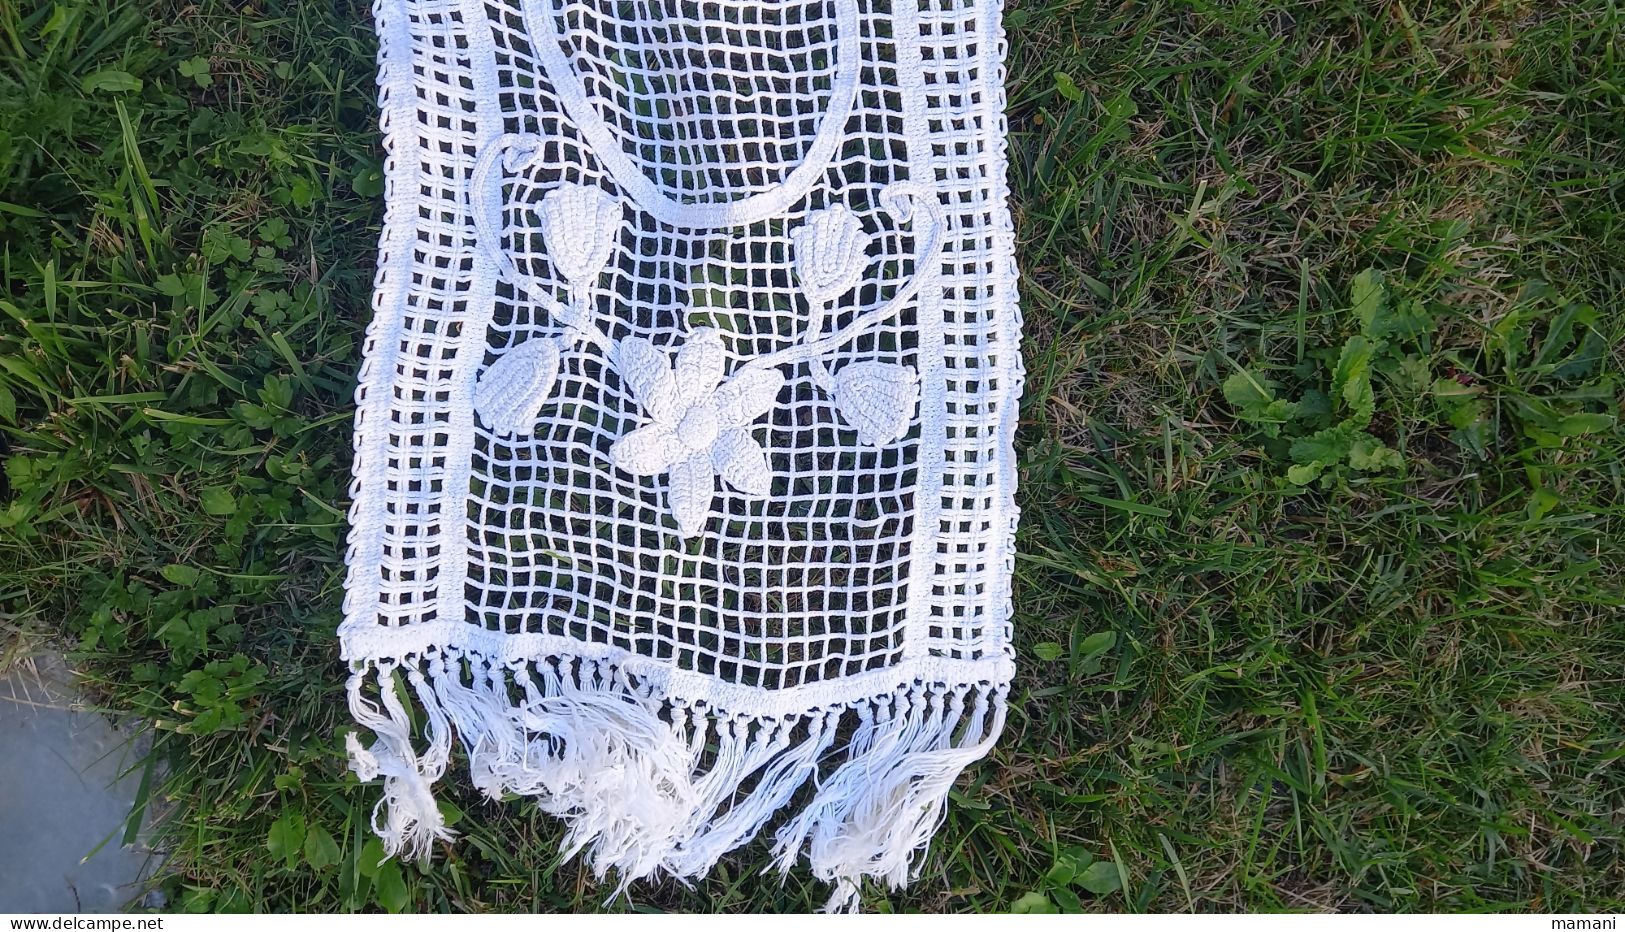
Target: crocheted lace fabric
pixel 683 464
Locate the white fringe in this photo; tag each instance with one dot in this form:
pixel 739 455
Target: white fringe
pixel 649 784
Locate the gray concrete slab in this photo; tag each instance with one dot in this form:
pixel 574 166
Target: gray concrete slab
pixel 61 797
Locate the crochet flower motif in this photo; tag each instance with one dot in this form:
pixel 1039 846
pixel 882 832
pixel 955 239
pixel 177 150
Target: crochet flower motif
pixel 698 424
pixel 580 225
pixel 831 253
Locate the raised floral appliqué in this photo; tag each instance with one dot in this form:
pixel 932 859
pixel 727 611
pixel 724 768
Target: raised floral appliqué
pixel 831 254
pixel 580 225
pixel 697 429
pixel 509 395
pixel 698 416
pixel 877 399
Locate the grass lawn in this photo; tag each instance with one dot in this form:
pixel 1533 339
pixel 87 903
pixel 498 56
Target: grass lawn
pixel 1320 601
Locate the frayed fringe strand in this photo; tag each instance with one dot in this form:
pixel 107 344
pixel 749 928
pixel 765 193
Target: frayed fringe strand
pixel 406 818
pixel 650 784
pixel 885 802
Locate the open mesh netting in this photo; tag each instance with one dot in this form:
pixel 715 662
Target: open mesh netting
pixel 683 478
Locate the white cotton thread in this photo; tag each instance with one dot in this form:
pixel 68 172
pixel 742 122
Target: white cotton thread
pixel 683 494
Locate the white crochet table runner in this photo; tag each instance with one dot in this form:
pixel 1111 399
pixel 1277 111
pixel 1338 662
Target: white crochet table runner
pixel 683 464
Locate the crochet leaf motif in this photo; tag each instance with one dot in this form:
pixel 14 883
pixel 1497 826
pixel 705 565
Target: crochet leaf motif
pixel 877 399
pixel 509 395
